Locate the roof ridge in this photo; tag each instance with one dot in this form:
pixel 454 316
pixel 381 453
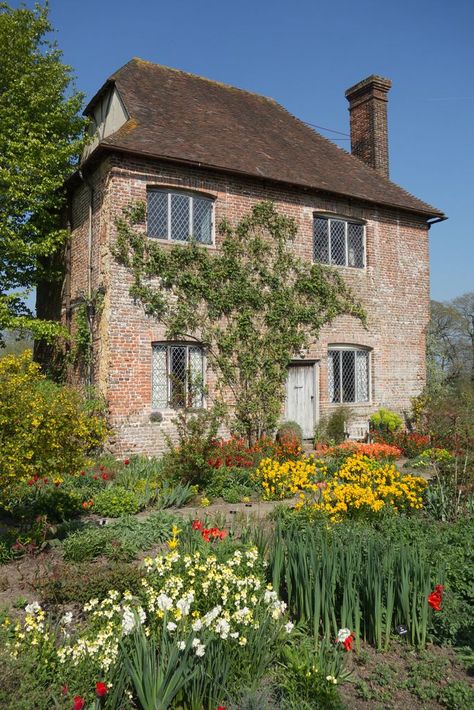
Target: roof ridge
pixel 222 84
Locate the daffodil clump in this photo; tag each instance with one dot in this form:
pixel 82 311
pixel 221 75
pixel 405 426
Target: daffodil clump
pixel 363 486
pixel 284 480
pixel 195 599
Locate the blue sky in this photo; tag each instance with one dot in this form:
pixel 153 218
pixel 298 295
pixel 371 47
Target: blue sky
pixel 305 54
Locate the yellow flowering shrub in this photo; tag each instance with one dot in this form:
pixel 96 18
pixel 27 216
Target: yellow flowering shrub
pixel 283 480
pixel 364 486
pixel 45 429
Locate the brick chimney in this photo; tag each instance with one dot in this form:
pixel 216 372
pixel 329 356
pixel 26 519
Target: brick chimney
pixel 368 113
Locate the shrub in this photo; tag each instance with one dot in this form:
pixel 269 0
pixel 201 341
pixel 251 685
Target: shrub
pixel 115 501
pixel 230 479
pixel 289 431
pixel 45 429
pixel 188 461
pixel 332 429
pixel 411 444
pixel 386 421
pixel 118 540
pixel 283 480
pixel 44 497
pixel 79 583
pixel 363 487
pixel 349 448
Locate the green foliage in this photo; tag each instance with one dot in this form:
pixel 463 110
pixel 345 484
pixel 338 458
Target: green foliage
pixel 158 671
pixel 457 695
pixel 448 416
pixel 41 135
pixel 289 431
pixel 187 461
pixel 6 554
pixel 56 502
pixel 79 583
pixel 122 539
pixel 332 428
pixel 45 429
pixel 115 501
pixel 233 483
pixel 253 303
pixel 347 576
pixel 303 675
pixel 386 421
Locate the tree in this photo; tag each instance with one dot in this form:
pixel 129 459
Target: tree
pixel 41 137
pixel 253 303
pixel 451 340
pixel 464 307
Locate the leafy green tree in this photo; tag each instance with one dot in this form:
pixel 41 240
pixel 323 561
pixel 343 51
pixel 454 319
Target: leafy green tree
pixel 253 303
pixel 41 137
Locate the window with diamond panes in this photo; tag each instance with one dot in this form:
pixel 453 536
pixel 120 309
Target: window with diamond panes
pixel 338 242
pixel 348 375
pixel 177 376
pixel 179 217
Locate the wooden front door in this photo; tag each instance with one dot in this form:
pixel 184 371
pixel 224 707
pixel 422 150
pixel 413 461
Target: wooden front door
pixel 301 397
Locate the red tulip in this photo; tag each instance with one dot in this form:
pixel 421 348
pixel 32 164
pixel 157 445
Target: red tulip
pixel 78 703
pixel 100 689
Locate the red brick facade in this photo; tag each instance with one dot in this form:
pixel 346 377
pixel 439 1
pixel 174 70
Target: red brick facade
pixel 393 287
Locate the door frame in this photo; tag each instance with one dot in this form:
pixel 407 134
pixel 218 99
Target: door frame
pixel 315 364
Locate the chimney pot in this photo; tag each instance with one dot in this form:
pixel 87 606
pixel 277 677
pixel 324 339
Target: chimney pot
pixel 368 117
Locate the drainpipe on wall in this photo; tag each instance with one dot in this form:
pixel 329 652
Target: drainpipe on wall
pixel 90 314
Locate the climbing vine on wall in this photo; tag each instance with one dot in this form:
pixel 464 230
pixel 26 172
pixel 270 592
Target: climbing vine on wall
pixel 86 313
pixel 252 302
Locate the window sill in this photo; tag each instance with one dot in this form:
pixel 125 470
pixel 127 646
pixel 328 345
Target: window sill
pixel 351 269
pixel 178 241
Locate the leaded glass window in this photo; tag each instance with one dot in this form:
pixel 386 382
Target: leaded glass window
pixel 179 217
pixel 348 375
pixel 338 242
pixel 177 376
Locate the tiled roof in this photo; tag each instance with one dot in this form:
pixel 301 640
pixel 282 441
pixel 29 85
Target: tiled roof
pixel 180 116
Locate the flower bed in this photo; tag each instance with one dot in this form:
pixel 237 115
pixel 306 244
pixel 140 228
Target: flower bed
pixel 364 487
pixel 350 448
pixel 213 596
pixel 284 480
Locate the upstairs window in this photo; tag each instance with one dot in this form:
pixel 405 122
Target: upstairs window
pixel 179 216
pixel 348 375
pixel 177 376
pixel 338 242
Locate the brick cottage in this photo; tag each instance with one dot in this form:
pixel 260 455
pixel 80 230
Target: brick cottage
pixel 197 151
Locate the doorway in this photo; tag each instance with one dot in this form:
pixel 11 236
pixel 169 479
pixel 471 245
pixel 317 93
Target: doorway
pixel 301 403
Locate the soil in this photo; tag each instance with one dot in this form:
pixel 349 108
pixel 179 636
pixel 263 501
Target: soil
pixel 402 678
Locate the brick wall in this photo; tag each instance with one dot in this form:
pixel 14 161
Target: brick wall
pixel 394 288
